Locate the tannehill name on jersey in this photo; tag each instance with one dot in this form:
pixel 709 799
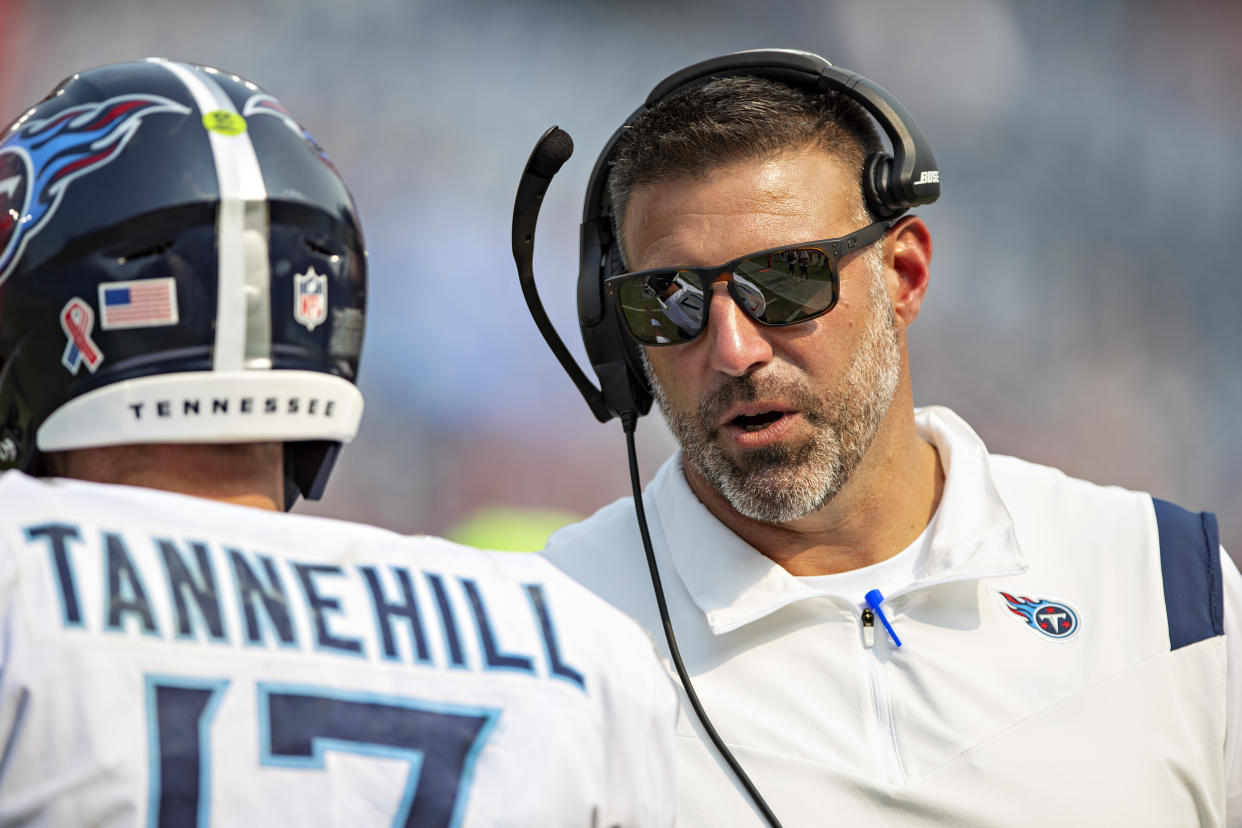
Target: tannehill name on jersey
pixel 224 405
pixel 185 590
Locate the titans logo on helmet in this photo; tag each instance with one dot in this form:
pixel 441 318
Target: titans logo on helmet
pixel 1054 619
pixel 39 159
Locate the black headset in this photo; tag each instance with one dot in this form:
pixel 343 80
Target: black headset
pixel 891 184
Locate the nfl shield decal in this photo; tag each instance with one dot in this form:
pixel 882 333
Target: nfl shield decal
pixel 1054 619
pixel 310 299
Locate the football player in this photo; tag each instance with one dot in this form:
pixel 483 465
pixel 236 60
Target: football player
pixel 182 296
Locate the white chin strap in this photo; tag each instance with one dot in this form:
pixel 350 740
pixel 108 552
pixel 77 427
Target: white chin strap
pixel 208 407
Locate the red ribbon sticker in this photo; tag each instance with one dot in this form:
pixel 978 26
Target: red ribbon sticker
pixel 78 320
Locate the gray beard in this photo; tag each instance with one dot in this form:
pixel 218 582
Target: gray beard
pixel 779 484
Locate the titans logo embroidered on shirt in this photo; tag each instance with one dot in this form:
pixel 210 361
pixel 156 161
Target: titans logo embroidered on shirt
pixel 1055 619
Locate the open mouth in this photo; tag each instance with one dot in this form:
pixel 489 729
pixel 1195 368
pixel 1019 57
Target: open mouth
pixel 757 422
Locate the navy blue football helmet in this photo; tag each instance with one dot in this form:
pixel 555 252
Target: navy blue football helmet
pixel 179 263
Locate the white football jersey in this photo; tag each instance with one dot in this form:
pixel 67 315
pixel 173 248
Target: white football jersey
pixel 172 661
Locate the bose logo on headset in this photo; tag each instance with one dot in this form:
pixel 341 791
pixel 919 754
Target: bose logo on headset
pixel 928 177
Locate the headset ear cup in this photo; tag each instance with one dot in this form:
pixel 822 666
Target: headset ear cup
pixel 613 355
pixel 640 391
pixel 615 360
pixel 878 186
pixel 633 357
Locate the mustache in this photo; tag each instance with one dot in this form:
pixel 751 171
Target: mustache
pixel 751 387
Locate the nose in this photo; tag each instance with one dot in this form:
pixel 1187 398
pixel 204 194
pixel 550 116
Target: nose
pixel 737 342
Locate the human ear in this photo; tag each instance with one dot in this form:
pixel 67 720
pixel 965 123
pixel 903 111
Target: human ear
pixel 907 252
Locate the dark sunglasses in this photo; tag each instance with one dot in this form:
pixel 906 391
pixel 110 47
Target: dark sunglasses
pixel 781 286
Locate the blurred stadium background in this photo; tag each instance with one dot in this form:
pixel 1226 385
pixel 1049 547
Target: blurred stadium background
pixel 1086 294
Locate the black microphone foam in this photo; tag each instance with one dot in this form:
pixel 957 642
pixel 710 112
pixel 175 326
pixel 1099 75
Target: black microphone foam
pixel 553 151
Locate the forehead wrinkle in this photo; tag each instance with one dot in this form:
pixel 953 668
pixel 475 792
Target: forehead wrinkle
pixel 754 204
pixel 684 236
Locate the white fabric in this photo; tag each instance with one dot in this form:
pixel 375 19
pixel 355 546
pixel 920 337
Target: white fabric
pixel 1232 588
pixel 979 719
pixel 95 680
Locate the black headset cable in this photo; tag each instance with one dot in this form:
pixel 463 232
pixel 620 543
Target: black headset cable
pixel 629 421
pixel 550 153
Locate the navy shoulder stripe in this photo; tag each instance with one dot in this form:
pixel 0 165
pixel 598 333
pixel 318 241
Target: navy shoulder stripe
pixel 1190 566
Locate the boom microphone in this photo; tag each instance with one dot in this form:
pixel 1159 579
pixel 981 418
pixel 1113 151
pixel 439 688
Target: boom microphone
pixel 546 159
pixel 552 151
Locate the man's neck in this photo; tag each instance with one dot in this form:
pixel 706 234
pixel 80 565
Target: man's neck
pixel 883 508
pixel 247 474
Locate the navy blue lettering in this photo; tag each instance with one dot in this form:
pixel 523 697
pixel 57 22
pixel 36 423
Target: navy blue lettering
pixel 493 658
pixel 320 606
pixel 179 717
pixel 269 405
pixel 272 594
pixel 201 586
pixel 547 631
pixel 57 536
pixel 189 407
pixel 163 409
pixel 447 621
pixel 442 741
pixel 125 591
pixel 385 610
pixel 219 406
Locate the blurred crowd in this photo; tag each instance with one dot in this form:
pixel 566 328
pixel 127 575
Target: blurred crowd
pixel 1084 303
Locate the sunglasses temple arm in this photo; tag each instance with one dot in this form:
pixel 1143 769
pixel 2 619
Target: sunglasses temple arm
pixel 549 154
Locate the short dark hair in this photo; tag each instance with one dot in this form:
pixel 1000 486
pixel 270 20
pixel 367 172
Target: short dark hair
pixel 731 119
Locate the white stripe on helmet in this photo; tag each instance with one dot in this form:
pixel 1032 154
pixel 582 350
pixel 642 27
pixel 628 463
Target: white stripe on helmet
pixel 243 318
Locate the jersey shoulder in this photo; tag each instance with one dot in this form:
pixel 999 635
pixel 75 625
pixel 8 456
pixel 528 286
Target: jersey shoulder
pixel 598 552
pixel 579 597
pixel 27 499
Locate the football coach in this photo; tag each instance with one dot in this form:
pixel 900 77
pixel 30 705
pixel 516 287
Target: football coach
pixel 885 623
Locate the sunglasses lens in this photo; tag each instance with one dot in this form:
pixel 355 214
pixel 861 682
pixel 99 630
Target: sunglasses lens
pixel 667 307
pixel 664 307
pixel 787 286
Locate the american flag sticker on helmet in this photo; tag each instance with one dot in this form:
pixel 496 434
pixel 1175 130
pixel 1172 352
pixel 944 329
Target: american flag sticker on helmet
pixel 142 303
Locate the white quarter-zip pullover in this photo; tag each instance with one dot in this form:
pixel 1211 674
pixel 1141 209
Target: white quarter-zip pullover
pixel 1053 668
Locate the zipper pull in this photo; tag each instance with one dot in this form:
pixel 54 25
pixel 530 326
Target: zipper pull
pixel 868 628
pixel 874 598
